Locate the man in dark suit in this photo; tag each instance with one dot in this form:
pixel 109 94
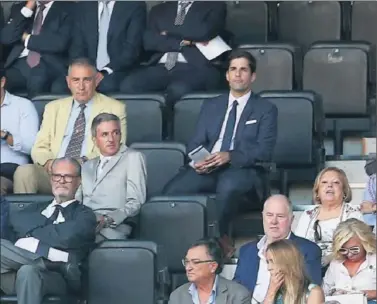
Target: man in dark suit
pixel 238 130
pixel 39 33
pixel 252 270
pixel 110 33
pixel 177 65
pixel 47 243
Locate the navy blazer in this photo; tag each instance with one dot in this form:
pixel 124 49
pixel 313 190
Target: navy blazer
pixel 248 262
pixel 204 21
pixel 253 142
pixel 124 37
pixel 53 40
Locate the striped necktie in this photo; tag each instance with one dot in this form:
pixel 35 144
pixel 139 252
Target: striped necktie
pixel 78 135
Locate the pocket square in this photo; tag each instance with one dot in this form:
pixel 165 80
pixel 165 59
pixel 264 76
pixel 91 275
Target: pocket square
pixel 250 122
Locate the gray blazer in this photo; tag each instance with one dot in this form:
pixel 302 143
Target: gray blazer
pixel 120 190
pixel 228 292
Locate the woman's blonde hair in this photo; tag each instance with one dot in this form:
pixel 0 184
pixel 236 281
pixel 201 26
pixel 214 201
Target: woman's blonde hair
pixel 353 228
pixel 289 260
pixel 343 178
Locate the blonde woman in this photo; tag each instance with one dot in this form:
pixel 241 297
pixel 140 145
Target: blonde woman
pixel 289 283
pixel 332 194
pixel 353 268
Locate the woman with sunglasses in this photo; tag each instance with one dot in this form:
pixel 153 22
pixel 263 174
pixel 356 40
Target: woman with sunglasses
pixel 353 268
pixel 332 194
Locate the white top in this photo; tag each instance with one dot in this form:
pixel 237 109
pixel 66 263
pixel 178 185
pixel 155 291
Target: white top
pixel 27 13
pixel 337 276
pixel 305 226
pixel 31 243
pixel 242 101
pixel 180 56
pixel 20 118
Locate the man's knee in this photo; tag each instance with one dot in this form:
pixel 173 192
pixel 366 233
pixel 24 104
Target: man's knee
pixel 131 84
pixel 177 89
pixel 24 175
pixel 28 273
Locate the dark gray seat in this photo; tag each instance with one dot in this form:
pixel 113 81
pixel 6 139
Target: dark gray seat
pixel 163 162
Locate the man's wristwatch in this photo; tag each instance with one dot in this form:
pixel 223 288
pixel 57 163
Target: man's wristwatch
pixel 6 134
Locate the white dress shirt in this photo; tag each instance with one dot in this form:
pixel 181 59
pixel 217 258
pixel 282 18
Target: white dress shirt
pixel 31 243
pixel 27 13
pixel 20 118
pixel 103 161
pixel 181 58
pixel 337 276
pixel 110 6
pixel 242 101
pixel 263 278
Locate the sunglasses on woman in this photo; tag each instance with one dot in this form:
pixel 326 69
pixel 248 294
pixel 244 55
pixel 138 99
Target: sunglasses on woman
pixel 352 250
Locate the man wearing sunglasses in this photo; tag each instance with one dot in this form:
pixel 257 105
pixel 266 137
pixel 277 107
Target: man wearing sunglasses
pixel 48 242
pixel 203 264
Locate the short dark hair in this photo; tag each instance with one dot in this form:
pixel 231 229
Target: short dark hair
pixel 71 160
pixel 214 250
pixel 100 118
pixel 240 53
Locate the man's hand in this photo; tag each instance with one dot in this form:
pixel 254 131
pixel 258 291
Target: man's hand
pixel 217 159
pixel 48 165
pixel 201 168
pixel 24 36
pixel 368 207
pixel 31 4
pixel 186 42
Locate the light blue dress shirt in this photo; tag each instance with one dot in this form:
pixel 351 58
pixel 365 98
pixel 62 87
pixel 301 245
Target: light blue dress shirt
pixel 195 295
pixel 370 196
pixel 75 111
pixel 20 118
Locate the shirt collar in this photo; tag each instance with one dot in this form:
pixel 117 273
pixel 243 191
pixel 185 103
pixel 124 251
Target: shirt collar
pixel 192 289
pixel 7 99
pixel 47 5
pixel 262 243
pixel 76 104
pixel 102 157
pixel 241 100
pixel 65 204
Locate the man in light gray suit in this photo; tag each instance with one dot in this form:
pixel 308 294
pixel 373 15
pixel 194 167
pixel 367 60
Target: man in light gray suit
pixel 204 263
pixel 113 185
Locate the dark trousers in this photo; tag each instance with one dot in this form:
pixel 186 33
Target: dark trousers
pixel 184 78
pixel 229 184
pixel 7 170
pixel 37 80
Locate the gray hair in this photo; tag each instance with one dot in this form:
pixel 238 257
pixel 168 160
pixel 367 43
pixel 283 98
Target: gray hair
pixel 70 160
pixel 282 198
pixel 85 62
pixel 100 118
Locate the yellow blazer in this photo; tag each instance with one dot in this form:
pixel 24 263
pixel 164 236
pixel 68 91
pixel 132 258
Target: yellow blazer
pixel 55 119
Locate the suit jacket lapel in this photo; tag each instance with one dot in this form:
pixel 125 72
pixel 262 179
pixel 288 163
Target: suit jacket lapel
pixel 253 269
pixel 218 120
pixel 244 116
pixel 92 22
pixel 52 15
pixel 64 112
pixel 116 16
pixel 222 290
pixel 96 109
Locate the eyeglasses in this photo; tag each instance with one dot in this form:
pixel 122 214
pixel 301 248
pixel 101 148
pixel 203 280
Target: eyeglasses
pixel 317 231
pixel 195 262
pixel 66 178
pixel 352 250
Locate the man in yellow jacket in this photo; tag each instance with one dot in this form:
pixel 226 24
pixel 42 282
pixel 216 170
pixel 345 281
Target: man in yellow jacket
pixel 65 129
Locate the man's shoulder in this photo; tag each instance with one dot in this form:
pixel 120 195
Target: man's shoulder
pixel 56 103
pixel 112 102
pixel 305 244
pixel 233 286
pixel 263 104
pixel 248 248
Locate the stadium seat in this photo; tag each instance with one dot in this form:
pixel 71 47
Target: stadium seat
pixel 40 102
pixel 176 222
pixel 144 116
pixel 275 65
pixel 339 73
pixel 124 272
pixel 363 27
pixel 299 150
pixel 248 21
pixel 18 203
pixel 163 162
pixel 305 22
pixel 186 113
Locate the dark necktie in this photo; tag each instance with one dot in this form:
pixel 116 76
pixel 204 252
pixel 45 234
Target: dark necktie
pixel 78 135
pixel 229 129
pixel 55 215
pixel 172 57
pixel 33 58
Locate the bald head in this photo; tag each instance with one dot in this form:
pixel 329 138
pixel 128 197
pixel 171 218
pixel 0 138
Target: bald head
pixel 277 217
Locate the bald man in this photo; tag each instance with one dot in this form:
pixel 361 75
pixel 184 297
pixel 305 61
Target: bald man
pixel 277 222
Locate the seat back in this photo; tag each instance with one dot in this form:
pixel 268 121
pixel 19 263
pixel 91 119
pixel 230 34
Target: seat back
pixel 123 272
pixel 247 21
pixel 21 201
pixel 305 22
pixel 163 161
pixel 275 65
pixel 339 73
pixel 186 113
pixel 144 116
